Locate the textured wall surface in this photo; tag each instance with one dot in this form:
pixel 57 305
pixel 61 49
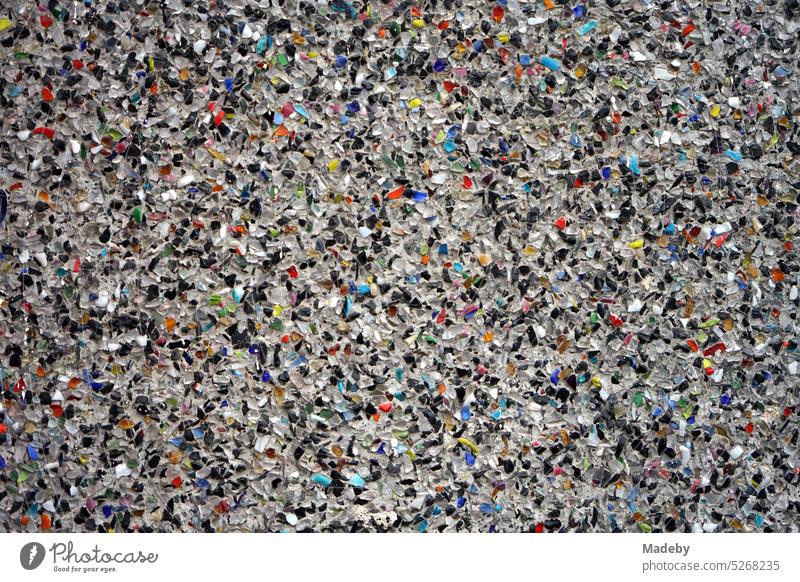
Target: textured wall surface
pixel 447 266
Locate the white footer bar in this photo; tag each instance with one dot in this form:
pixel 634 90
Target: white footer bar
pixel 390 557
